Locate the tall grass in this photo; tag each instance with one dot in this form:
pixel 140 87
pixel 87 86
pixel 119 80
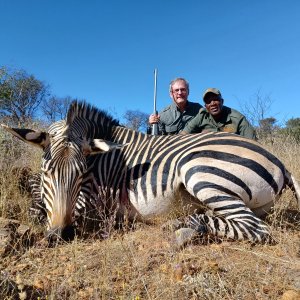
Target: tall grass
pixel 17 160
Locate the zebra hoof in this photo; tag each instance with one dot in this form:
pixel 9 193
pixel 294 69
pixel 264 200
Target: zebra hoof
pixel 172 225
pixel 184 236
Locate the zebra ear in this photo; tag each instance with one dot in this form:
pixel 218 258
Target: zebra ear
pixel 100 146
pixel 37 138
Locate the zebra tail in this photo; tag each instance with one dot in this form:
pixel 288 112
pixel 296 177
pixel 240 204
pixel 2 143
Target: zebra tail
pixel 294 186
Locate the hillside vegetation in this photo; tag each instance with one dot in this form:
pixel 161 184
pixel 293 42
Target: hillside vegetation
pixel 141 260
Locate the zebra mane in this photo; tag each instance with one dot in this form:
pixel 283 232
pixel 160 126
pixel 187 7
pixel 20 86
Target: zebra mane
pixel 83 110
pixel 88 121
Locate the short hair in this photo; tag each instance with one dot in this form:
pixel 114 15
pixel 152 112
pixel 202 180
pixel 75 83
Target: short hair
pixel 179 79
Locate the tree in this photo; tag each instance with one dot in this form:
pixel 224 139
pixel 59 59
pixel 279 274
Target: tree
pixel 136 120
pixel 267 128
pixel 20 95
pixel 55 108
pixel 257 112
pixel 293 128
pixel 267 125
pixel 257 108
pixel 293 123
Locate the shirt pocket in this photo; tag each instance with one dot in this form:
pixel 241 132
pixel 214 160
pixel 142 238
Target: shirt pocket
pixel 171 128
pixel 229 128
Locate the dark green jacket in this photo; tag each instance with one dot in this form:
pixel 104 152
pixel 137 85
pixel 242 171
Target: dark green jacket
pixel 231 121
pixel 172 120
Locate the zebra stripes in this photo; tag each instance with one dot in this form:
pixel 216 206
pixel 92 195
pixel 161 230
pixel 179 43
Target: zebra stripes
pixel 37 210
pixel 233 177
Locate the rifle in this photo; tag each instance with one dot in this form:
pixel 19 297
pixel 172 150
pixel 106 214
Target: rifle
pixel 155 126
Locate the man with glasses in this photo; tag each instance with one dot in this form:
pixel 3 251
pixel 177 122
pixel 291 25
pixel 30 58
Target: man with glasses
pixel 173 118
pixel 217 117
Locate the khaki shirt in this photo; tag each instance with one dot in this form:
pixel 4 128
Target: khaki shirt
pixel 172 120
pixel 231 121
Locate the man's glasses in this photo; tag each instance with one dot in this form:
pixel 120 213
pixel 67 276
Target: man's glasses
pixel 183 90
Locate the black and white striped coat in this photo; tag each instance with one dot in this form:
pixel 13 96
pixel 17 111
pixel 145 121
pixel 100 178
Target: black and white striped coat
pixel 234 178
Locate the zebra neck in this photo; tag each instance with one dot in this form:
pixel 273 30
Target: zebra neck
pixel 124 135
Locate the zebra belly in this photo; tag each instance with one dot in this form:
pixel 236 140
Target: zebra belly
pixel 262 192
pixel 173 202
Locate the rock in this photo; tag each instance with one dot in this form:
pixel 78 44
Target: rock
pixel 291 295
pixel 294 278
pixel 184 236
pixel 178 272
pixel 171 225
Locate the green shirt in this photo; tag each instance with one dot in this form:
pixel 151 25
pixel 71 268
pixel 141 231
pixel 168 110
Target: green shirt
pixel 231 121
pixel 172 120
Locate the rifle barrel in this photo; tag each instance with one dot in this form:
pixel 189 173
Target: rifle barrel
pixel 155 126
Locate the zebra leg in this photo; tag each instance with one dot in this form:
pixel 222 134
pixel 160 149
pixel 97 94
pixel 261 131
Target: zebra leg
pixel 230 219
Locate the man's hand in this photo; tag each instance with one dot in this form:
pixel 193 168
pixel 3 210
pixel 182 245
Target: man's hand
pixel 182 132
pixel 153 119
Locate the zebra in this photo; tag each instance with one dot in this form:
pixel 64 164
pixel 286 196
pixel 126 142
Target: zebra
pixel 90 159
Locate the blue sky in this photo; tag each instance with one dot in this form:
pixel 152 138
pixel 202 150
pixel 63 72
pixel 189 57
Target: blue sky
pixel 106 51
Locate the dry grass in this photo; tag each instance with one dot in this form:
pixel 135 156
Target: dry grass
pixel 144 263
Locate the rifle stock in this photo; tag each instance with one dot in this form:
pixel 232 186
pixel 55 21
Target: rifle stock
pixel 154 129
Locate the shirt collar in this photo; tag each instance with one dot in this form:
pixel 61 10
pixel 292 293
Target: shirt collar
pixel 175 107
pixel 225 118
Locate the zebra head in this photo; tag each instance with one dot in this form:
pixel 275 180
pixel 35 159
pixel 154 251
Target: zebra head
pixel 66 146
